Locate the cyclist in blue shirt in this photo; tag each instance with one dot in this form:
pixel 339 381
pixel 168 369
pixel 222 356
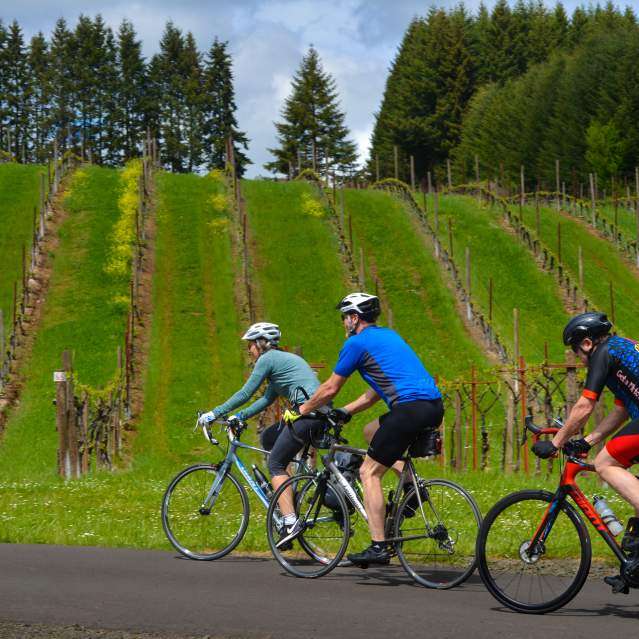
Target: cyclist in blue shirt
pixel 396 375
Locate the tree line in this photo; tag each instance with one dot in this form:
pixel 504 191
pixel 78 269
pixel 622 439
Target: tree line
pixel 514 86
pixel 91 90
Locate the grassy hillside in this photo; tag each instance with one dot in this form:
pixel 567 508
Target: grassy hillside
pixel 19 194
pixel 423 307
pixel 85 312
pixel 517 280
pixel 602 265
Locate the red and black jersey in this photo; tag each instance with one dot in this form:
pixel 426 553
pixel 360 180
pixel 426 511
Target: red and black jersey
pixel 615 364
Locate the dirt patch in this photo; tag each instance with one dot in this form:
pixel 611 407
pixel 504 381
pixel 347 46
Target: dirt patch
pixel 38 287
pixel 9 630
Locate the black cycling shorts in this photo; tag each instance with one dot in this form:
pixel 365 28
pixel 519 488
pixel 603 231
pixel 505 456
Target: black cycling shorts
pixel 287 446
pixel 269 435
pixel 401 426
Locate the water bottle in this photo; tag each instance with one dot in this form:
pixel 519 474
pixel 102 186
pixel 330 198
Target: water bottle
pixel 608 517
pixel 262 482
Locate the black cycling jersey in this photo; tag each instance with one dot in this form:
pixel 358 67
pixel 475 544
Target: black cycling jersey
pixel 615 364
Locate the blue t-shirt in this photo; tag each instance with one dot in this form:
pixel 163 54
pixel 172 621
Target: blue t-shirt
pixel 388 364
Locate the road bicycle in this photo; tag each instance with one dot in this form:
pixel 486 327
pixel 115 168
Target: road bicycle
pixel 534 549
pixel 205 509
pixel 431 526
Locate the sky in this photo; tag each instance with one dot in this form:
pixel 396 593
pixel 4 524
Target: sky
pixel 356 39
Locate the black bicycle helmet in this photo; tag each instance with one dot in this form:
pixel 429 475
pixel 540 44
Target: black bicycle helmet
pixel 585 325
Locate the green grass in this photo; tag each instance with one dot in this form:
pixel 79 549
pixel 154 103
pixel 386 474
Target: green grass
pixel 84 313
pixel 195 358
pixel 424 311
pixel 602 265
pixel 19 194
pixel 517 280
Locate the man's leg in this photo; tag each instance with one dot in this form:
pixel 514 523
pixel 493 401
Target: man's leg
pixel 627 485
pixel 622 480
pixel 371 473
pixel 369 431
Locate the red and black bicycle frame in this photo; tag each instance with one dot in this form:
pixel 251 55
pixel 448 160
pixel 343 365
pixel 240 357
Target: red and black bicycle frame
pixel 568 488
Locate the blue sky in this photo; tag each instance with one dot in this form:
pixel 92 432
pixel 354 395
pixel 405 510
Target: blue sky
pixel 356 39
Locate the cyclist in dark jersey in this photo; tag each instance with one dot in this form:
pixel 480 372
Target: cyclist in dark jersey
pixel 613 362
pixel 396 375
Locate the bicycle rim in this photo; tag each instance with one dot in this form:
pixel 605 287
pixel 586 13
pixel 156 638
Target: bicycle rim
pixel 194 528
pixel 441 553
pixel 525 580
pixel 321 546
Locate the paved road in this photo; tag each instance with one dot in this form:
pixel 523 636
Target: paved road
pixel 150 591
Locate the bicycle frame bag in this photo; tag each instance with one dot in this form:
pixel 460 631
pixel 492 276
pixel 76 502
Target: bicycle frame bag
pixel 427 444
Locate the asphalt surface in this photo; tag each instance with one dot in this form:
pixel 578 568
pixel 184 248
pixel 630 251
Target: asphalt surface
pixel 159 592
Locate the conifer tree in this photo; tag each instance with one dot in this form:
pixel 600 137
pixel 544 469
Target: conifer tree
pixel 18 90
pixel 193 85
pixel 63 84
pixel 40 125
pixel 312 133
pixel 131 81
pixel 220 120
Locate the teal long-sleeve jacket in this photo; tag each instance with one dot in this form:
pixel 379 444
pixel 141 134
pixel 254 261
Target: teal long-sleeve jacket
pixel 285 372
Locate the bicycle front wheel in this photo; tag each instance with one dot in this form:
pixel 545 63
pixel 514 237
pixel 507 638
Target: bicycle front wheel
pixel 436 542
pixel 534 580
pixel 202 523
pixel 325 528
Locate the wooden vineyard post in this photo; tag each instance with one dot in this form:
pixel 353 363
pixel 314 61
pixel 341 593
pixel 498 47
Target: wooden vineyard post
pixel 430 182
pixel 468 307
pixel 523 402
pixel 450 238
pixel 450 175
pixel 522 186
pixel 557 185
pixel 72 420
pixel 476 168
pixel 537 216
pixel 592 200
pixel 341 207
pixel 412 173
pixel 473 400
pixel 84 463
pixel 60 380
pixel 459 452
pixel 516 333
pixel 559 242
pixel 396 162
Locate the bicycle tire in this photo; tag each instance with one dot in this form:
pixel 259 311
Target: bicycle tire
pixel 490 577
pixel 180 522
pixel 321 564
pixel 438 516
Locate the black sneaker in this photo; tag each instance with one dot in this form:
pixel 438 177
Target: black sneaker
pixel 618 584
pixel 288 534
pixel 372 555
pixel 630 541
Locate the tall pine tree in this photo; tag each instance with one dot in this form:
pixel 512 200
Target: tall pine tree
pixel 312 133
pixel 220 120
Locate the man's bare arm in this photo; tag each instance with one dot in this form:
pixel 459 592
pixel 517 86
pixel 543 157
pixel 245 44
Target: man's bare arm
pixel 323 394
pixel 608 425
pixel 364 401
pixel 577 419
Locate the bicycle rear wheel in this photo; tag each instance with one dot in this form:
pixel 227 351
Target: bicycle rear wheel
pixel 540 581
pixel 200 525
pixel 438 547
pixel 326 531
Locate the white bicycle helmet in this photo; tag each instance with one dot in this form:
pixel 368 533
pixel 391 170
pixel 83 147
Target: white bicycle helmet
pixel 263 330
pixel 365 305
